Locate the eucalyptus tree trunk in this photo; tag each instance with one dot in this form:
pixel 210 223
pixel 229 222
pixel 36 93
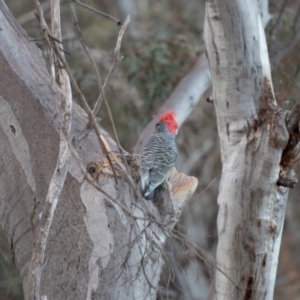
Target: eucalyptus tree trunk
pixel 259 148
pixel 105 242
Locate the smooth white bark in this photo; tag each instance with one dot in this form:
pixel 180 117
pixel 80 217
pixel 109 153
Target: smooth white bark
pixel 265 16
pixel 253 136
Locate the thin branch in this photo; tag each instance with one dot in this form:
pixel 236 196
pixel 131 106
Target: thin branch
pixel 43 25
pixel 87 109
pixel 30 16
pixel 102 93
pixel 116 59
pixel 80 34
pixel 61 169
pixel 98 12
pixel 85 48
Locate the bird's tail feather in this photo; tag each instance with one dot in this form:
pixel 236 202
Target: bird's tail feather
pixel 146 191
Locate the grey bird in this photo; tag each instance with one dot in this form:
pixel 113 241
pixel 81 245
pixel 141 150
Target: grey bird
pixel 159 155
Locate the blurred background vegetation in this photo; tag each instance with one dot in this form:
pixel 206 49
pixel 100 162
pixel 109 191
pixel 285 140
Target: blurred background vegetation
pixel 162 42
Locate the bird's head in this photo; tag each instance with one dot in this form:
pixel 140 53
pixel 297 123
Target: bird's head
pixel 169 119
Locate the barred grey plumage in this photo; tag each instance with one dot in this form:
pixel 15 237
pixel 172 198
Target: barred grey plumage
pixel 158 157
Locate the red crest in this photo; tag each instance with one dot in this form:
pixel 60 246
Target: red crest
pixel 169 118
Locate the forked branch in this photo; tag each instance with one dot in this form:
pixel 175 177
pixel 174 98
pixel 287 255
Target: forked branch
pixel 60 173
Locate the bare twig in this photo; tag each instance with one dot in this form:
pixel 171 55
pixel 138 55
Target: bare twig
pixel 85 105
pixel 102 93
pixel 117 58
pixel 29 16
pixel 87 109
pixel 43 25
pixel 99 12
pixel 114 65
pixel 85 48
pixel 60 173
pixel 109 154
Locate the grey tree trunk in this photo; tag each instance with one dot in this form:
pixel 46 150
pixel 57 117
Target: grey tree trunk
pixel 104 243
pixel 255 138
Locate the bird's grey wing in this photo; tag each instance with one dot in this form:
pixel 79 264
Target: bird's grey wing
pixel 148 160
pixel 164 162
